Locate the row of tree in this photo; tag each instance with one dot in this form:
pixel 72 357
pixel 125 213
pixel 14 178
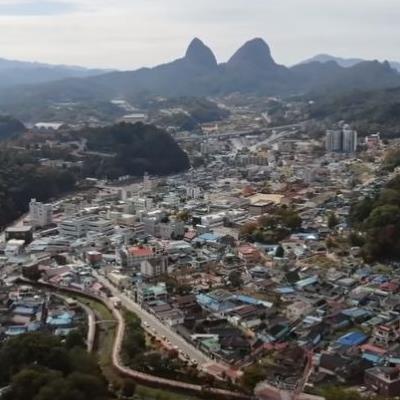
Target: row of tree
pixel 376 223
pixel 39 366
pixel 274 227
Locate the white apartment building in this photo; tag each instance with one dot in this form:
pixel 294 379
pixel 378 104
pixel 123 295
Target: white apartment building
pixel 171 230
pixel 342 140
pixel 349 140
pixel 193 192
pixel 40 214
pixel 333 141
pixel 78 227
pixel 153 267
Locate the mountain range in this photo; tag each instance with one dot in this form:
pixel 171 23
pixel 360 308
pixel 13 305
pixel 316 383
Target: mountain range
pixel 24 72
pixel 344 62
pixel 250 70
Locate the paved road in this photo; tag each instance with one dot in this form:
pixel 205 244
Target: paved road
pixel 91 327
pixel 151 379
pixel 147 379
pixel 154 324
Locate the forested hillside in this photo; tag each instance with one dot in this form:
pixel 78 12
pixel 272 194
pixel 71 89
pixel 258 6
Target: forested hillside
pixel 10 127
pixel 133 149
pixel 23 178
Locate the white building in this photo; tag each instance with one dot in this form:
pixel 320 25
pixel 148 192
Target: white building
pixel 349 140
pixel 73 227
pixel 333 141
pixel 40 214
pixel 171 230
pixel 341 141
pixel 153 267
pixel 147 183
pixel 78 227
pixel 193 192
pixel 14 248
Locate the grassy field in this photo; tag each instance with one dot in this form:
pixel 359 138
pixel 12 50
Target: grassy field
pixel 146 393
pixel 104 338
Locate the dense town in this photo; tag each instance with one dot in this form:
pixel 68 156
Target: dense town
pixel 242 266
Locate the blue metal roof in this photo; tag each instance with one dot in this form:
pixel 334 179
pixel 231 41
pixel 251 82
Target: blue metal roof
pixel 208 237
pixel 285 290
pixel 352 339
pixel 307 281
pixel 24 310
pixel 355 312
pixel 375 359
pixel 59 320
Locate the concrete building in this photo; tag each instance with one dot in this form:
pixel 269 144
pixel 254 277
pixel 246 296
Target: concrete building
pixel 147 183
pixel 133 256
pixel 14 248
pixel 333 141
pixel 171 230
pixel 383 380
pixel 73 228
pixel 349 140
pixel 24 233
pixel 40 214
pixel 78 227
pixel 146 293
pixel 119 280
pixel 341 141
pixel 373 141
pixel 100 226
pixel 193 192
pixel 154 267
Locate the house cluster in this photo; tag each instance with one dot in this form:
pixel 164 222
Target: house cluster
pixel 25 309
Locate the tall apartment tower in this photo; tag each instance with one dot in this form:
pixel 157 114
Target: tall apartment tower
pixel 40 214
pixel 349 140
pixel 341 141
pixel 147 183
pixel 333 141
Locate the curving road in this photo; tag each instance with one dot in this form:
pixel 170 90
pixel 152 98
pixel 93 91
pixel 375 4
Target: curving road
pixel 156 325
pixel 151 379
pixel 146 379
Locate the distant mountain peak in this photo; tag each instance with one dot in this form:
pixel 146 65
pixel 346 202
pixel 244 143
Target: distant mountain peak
pixel 198 53
pixel 256 52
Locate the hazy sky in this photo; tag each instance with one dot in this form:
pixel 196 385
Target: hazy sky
pixel 131 33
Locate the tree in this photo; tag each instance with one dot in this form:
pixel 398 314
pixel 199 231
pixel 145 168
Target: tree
pixel 235 278
pixel 377 223
pixel 33 348
pixel 248 229
pixel 40 367
pixel 252 375
pixel 183 216
pixel 258 236
pixel 28 382
pixel 74 339
pixel 361 210
pixel 332 220
pixel 128 388
pixel 289 218
pixel 279 252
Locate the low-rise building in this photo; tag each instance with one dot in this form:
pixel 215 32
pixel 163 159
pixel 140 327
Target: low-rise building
pixel 146 293
pixel 383 380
